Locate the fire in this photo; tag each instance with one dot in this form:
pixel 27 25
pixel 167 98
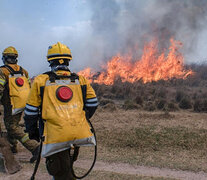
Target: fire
pixel 152 66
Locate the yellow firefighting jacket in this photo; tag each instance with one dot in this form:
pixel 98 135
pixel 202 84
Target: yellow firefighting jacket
pixel 62 108
pixel 14 87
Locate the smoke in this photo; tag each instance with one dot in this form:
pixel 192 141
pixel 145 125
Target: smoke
pixel 104 23
pixel 96 30
pixel 183 20
pixel 120 25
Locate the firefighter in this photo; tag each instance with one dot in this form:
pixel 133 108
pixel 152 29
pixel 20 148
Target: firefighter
pixel 14 88
pixel 65 100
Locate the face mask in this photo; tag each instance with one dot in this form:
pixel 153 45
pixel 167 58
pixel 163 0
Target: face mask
pixel 9 59
pixel 59 67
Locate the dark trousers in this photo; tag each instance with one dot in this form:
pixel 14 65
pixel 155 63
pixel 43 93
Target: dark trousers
pixel 58 165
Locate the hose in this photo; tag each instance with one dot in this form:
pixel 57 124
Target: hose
pixel 37 162
pixel 94 160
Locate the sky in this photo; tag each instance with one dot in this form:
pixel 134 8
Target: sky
pixel 96 30
pixel 31 26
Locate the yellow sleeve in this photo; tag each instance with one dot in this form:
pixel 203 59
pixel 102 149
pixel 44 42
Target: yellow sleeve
pixel 26 73
pixel 91 99
pixel 90 93
pixel 34 98
pixel 2 83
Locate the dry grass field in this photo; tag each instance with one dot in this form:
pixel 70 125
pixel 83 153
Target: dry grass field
pixel 175 140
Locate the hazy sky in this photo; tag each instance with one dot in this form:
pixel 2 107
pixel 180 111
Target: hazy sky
pixel 32 25
pixel 95 30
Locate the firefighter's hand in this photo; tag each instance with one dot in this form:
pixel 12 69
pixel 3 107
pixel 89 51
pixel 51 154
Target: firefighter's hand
pixel 35 135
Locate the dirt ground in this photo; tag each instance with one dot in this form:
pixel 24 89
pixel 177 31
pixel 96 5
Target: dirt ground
pixel 120 169
pixel 139 145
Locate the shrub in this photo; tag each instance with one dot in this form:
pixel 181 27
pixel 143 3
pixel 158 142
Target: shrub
pixel 162 93
pixel 171 106
pixel 197 107
pixel 114 88
pixel 105 101
pixel 120 94
pixel 152 91
pixel 195 95
pixel 110 107
pixel 108 95
pixel 127 89
pixel 200 105
pixel 128 104
pixel 179 96
pixel 139 100
pixel 100 89
pixel 185 103
pixel 150 106
pixel 204 95
pixel 161 103
pixel 204 105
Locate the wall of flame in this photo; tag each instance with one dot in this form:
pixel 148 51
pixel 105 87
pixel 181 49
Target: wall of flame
pixel 152 66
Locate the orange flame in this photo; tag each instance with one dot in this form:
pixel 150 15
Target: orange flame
pixel 152 66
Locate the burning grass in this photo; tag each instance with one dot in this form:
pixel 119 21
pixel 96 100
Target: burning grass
pixel 153 65
pixel 170 95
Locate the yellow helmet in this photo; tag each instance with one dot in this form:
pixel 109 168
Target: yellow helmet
pixel 58 51
pixel 10 51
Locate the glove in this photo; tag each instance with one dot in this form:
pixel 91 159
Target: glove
pixel 34 135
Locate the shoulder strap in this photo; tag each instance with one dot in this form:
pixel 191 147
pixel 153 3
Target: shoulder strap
pixel 12 71
pixel 21 70
pixel 53 76
pixel 73 77
pixel 9 68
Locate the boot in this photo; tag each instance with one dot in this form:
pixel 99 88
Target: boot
pixel 11 165
pixel 35 154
